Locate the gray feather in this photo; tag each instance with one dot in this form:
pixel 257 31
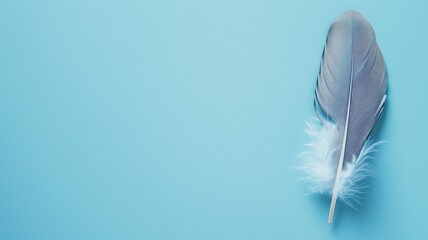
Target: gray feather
pixel 351 84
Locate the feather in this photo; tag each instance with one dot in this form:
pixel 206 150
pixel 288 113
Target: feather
pixel 349 99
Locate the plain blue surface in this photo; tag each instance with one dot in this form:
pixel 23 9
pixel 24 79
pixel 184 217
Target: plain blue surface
pixel 182 120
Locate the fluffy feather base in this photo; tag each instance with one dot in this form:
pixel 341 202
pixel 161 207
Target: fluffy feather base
pixel 320 161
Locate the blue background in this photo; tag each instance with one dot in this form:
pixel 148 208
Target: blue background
pixel 182 120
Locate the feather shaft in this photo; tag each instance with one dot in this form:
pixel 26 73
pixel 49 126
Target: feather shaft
pixel 342 153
